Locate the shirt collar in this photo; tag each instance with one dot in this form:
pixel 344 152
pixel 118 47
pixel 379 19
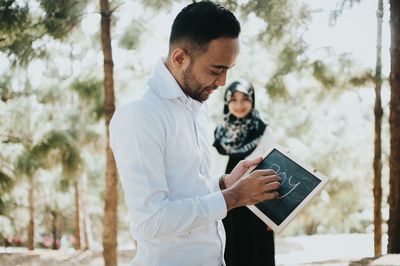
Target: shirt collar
pixel 164 83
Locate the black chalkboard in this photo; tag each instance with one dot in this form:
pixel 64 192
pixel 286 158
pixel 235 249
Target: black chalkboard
pixel 298 185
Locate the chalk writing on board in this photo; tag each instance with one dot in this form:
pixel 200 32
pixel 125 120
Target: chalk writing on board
pixel 299 184
pixel 283 175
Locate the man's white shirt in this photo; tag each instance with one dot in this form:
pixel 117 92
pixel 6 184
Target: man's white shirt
pixel 162 149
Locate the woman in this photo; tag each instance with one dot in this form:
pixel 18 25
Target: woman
pixel 244 135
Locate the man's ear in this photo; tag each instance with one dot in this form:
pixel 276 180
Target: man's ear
pixel 180 59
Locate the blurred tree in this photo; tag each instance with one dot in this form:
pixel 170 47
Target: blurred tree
pixel 27 165
pixel 36 156
pixel 341 6
pixel 24 28
pixel 90 109
pixel 6 179
pixel 18 31
pixel 394 119
pixel 111 190
pixel 69 157
pixel 6 183
pixel 54 212
pixel 378 112
pixel 61 17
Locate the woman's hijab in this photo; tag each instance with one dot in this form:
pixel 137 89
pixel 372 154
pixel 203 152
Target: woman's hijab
pixel 238 137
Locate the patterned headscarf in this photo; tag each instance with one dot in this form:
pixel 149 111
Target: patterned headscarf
pixel 238 137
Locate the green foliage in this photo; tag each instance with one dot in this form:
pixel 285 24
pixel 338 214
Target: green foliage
pixel 288 58
pixel 6 183
pixel 131 38
pixel 353 75
pixel 274 13
pixel 340 75
pixel 323 75
pixel 88 90
pixel 55 146
pixel 62 142
pixel 5 88
pixel 18 32
pixel 61 16
pixel 14 15
pixel 91 91
pixel 158 4
pixel 282 17
pixel 27 163
pixel 51 95
pixel 22 30
pixel 287 62
pixel 276 87
pixel 230 4
pixel 285 21
pixel 64 184
pixel 362 78
pixel 22 48
pixel 342 5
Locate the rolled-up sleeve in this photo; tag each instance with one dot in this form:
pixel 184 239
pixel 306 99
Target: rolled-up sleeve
pixel 137 138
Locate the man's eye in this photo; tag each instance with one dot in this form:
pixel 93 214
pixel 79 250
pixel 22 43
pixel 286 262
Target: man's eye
pixel 216 73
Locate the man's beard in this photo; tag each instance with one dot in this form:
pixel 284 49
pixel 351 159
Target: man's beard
pixel 193 88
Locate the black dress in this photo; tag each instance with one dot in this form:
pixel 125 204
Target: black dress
pixel 248 242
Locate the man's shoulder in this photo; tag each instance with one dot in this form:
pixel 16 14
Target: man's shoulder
pixel 134 115
pixel 140 107
pixel 145 98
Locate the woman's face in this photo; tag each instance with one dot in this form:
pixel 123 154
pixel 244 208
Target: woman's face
pixel 240 104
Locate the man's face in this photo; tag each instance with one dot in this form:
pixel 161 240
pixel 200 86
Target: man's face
pixel 209 69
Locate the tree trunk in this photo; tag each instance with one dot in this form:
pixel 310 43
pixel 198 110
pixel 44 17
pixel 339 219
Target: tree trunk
pixel 54 228
pixel 311 227
pixel 31 225
pixel 394 119
pixel 87 231
pixel 78 227
pixel 377 165
pixel 111 189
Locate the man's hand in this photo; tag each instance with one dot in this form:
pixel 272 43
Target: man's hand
pixel 239 170
pixel 258 186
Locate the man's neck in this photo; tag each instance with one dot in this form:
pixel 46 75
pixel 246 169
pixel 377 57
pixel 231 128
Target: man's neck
pixel 170 68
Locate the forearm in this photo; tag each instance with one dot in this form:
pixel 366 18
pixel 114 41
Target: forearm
pixel 259 186
pixel 179 216
pixel 226 181
pixel 231 197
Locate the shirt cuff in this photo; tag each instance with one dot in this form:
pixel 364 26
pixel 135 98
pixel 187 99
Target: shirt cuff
pixel 215 184
pixel 216 206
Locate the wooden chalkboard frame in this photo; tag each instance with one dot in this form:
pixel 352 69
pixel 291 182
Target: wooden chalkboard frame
pixel 323 180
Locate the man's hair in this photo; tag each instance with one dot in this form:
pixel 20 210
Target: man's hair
pixel 199 23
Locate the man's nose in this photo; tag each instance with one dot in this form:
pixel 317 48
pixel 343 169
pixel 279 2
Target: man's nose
pixel 221 80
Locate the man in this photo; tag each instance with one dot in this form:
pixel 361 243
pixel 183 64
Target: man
pixel 162 150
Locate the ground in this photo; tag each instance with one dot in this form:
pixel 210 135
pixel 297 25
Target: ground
pixel 332 250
